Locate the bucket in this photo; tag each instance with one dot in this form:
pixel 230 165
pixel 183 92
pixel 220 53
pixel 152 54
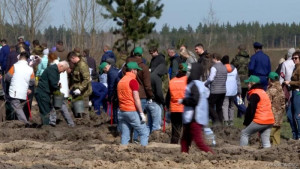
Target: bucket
pixel 58 101
pixel 78 107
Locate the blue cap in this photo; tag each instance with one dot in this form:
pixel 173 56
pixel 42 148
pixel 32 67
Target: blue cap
pixel 257 45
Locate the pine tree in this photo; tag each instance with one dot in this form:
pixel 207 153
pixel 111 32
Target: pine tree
pixel 133 18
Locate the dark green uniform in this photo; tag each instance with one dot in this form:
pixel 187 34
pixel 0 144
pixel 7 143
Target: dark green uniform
pixel 48 83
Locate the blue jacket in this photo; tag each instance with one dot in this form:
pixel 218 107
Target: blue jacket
pixel 259 64
pixel 112 82
pixel 3 56
pixel 42 66
pixel 108 55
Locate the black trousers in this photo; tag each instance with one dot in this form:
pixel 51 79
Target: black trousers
pixel 215 108
pixel 176 120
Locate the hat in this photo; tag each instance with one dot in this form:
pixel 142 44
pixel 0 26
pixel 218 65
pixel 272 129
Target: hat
pixel 138 51
pixel 273 75
pixel 133 65
pixel 21 37
pixel 102 66
pixel 184 67
pixel 291 51
pixel 253 79
pixel 257 45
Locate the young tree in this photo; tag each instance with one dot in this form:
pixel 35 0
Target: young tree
pixel 133 18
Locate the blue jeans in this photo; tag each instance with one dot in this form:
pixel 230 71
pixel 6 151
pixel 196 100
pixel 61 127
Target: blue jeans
pixel 154 116
pixel 129 120
pixel 144 104
pixel 293 113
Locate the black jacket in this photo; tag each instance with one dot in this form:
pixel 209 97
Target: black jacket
pixel 157 60
pixel 156 83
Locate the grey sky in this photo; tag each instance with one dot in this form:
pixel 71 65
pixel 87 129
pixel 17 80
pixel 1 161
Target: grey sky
pixel 183 12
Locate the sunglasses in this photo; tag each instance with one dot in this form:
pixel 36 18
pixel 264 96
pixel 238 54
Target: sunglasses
pixel 295 58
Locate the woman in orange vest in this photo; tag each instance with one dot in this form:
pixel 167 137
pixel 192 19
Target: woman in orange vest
pixel 259 116
pixel 173 99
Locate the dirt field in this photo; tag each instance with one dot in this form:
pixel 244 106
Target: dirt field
pixel 96 145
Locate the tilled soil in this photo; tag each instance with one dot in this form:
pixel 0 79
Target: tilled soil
pixel 96 144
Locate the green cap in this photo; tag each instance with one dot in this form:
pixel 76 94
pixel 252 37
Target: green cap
pixel 273 75
pixel 184 67
pixel 138 51
pixel 102 66
pixel 133 65
pixel 253 79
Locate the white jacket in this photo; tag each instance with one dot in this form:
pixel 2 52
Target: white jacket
pixel 287 69
pixel 63 80
pixel 22 76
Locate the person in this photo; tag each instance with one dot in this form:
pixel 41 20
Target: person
pixel 37 48
pixel 260 64
pixel 217 84
pixel 64 89
pixel 175 93
pixel 108 54
pixel 112 82
pixel 277 98
pixel 98 95
pixel 20 76
pixel 184 53
pixel 157 58
pixel 287 67
pixel 131 114
pixel 44 63
pixel 259 116
pixel 204 59
pixel 81 81
pixel 60 51
pixel 294 109
pixel 195 115
pixel 233 89
pixel 4 52
pixel 175 61
pixel 12 58
pixel 192 58
pixel 280 62
pixel 2 103
pixel 21 46
pixel 240 62
pixel 49 83
pixel 91 63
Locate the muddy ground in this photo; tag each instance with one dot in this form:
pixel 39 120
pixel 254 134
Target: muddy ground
pixel 95 144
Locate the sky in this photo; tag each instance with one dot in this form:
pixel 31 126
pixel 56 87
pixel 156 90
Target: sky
pixel 180 13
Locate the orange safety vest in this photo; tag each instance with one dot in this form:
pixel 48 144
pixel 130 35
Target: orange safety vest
pixel 125 95
pixel 177 91
pixel 263 113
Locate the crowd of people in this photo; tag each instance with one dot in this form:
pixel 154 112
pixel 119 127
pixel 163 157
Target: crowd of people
pixel 200 88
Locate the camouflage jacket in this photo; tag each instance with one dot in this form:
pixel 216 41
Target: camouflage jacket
pixel 241 61
pixel 81 79
pixel 277 98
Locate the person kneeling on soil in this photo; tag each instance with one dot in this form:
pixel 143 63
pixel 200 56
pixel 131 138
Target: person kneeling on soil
pixel 20 76
pixel 131 114
pixel 48 83
pixel 195 114
pixel 259 116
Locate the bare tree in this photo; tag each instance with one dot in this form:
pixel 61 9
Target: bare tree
pixel 3 7
pixel 30 13
pixel 86 19
pixel 211 21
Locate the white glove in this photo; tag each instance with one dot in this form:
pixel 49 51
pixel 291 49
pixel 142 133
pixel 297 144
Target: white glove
pixel 77 92
pixel 143 117
pixel 149 101
pixel 90 103
pixel 180 101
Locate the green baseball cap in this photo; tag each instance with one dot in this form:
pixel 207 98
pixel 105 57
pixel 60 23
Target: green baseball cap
pixel 253 79
pixel 102 66
pixel 184 66
pixel 138 51
pixel 273 75
pixel 133 65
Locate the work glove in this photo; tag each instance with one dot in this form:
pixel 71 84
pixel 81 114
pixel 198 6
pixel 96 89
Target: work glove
pixel 90 104
pixel 143 117
pixel 180 101
pixel 149 101
pixel 77 92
